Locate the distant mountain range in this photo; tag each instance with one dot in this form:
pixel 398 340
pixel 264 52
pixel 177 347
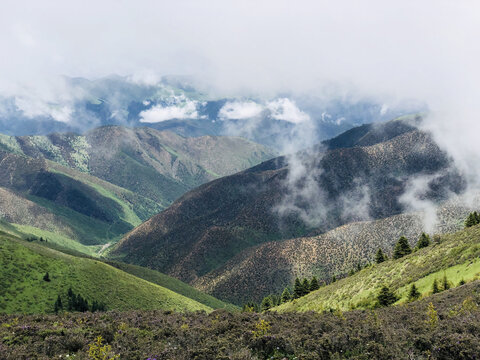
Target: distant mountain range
pixel 174 104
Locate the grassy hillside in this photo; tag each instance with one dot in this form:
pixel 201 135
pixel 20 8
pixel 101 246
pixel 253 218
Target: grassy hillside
pixel 173 284
pixel 22 288
pixel 453 255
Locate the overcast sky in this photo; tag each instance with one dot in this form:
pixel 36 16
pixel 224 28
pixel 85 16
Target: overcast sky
pixel 401 47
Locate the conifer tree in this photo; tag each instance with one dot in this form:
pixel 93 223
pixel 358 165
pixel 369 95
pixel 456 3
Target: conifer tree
pixel 472 219
pixel 379 257
pixel 402 248
pixel 462 282
pixel 445 283
pixel 334 278
pixel 413 294
pixel 58 304
pixel 314 285
pixel 297 289
pixel 305 286
pixel 386 297
pixel 46 277
pixel 286 296
pixel 266 303
pixel 435 288
pixel 423 241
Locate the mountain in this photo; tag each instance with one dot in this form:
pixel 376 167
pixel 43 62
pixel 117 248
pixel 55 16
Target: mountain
pixel 455 256
pixel 202 231
pixel 178 104
pixel 24 289
pixel 93 188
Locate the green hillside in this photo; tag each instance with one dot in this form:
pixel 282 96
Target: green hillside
pixel 455 256
pixel 23 289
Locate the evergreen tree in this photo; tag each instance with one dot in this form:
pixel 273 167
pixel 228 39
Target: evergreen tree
pixel 351 272
pixel 379 257
pixel 266 303
pixel 402 248
pixel 46 277
pixel 435 288
pixel 314 285
pixel 445 283
pixel 286 296
pixel 386 297
pixel 58 304
pixel 423 241
pixel 305 286
pixel 297 289
pixel 413 294
pixel 334 278
pixel 462 282
pixel 472 219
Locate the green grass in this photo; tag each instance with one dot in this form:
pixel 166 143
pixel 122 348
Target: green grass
pixel 456 256
pixel 173 284
pixel 23 290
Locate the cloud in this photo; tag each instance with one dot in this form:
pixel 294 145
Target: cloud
pixel 159 113
pixel 286 110
pixel 240 110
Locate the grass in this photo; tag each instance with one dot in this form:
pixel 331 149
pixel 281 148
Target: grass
pixel 455 255
pixel 23 290
pixel 173 284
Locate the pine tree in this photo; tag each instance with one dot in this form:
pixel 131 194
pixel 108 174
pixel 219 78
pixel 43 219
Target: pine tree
pixel 462 282
pixel 305 286
pixel 445 283
pixel 423 241
pixel 58 304
pixel 314 285
pixel 266 303
pixel 413 294
pixel 297 289
pixel 379 257
pixel 46 277
pixel 334 278
pixel 386 297
pixel 472 219
pixel 402 248
pixel 286 296
pixel 435 288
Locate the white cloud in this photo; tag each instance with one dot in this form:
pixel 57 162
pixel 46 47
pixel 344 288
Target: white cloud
pixel 240 110
pixel 158 113
pixel 286 110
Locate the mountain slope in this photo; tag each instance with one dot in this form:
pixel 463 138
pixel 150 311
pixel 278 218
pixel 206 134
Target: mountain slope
pixel 268 268
pixel 208 226
pixel 158 165
pixel 23 289
pixel 453 255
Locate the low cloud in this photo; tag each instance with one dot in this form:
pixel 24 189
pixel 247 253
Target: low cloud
pixel 239 110
pixel 286 110
pixel 159 113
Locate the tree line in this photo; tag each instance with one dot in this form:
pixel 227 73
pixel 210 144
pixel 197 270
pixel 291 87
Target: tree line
pixel 76 302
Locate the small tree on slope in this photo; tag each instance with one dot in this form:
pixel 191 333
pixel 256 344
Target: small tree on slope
pixel 402 248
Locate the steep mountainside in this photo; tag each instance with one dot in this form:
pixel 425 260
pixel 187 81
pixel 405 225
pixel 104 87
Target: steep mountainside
pixel 24 289
pixel 210 225
pixel 268 268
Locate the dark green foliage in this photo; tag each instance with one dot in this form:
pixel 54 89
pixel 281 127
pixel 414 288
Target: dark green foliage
pixel 46 277
pixel 445 283
pixel 286 296
pixel 305 287
pixel 386 297
pixel 462 282
pixel 266 303
pixel 334 278
pixel 472 219
pixel 314 285
pixel 297 289
pixel 76 302
pixel 413 294
pixel 402 248
pixel 435 288
pixel 58 305
pixel 423 241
